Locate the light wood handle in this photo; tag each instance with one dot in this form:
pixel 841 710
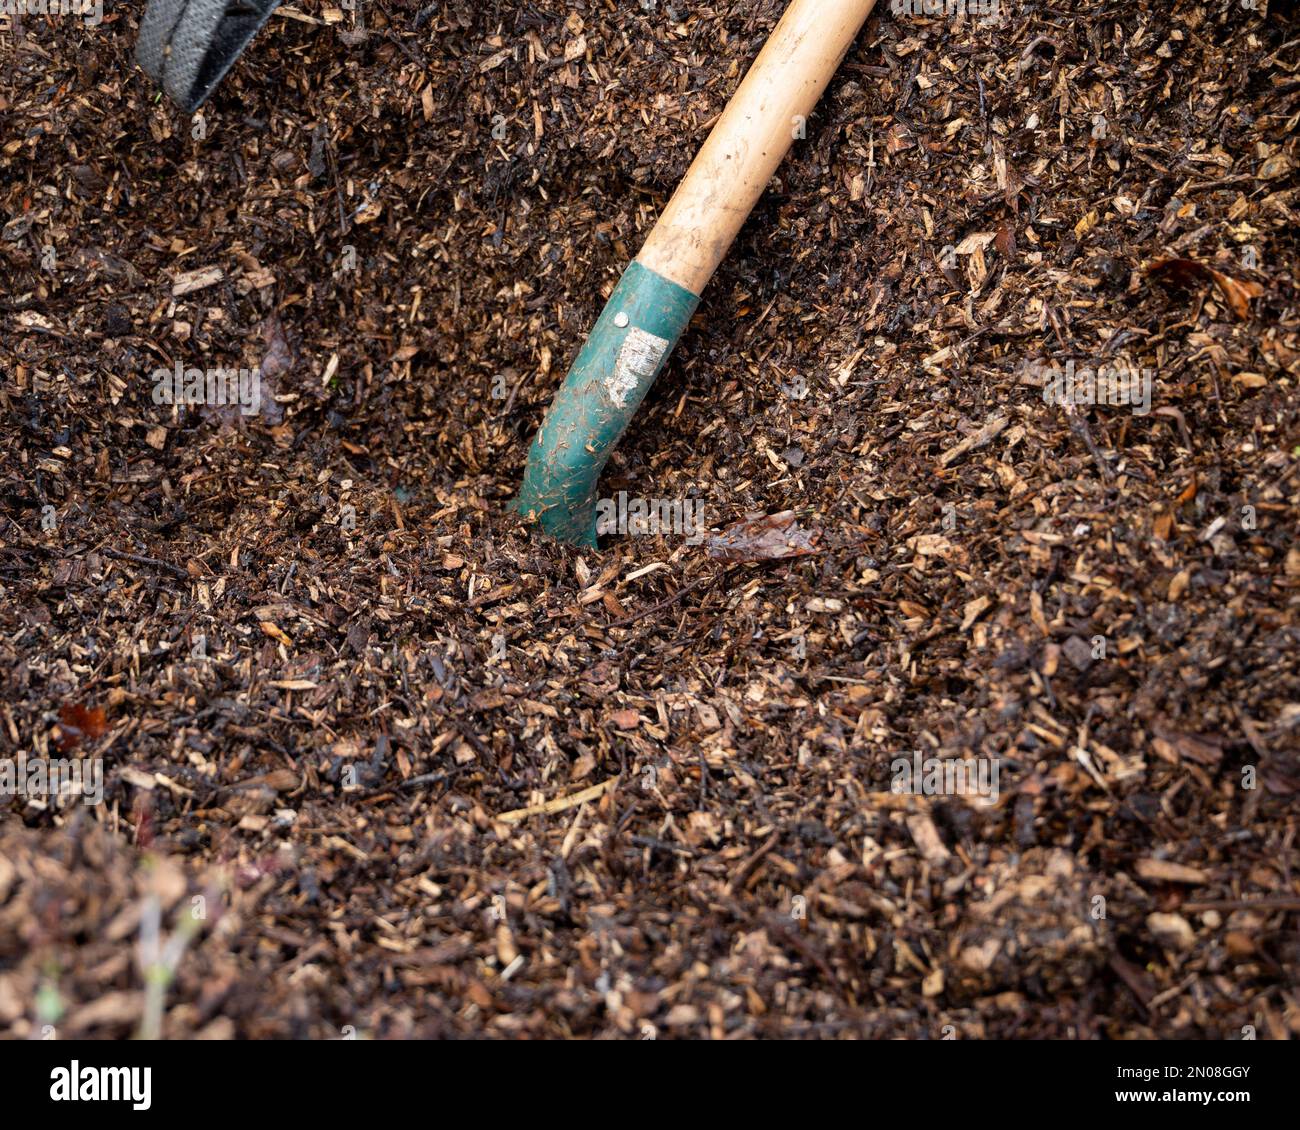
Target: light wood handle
pixel 751 139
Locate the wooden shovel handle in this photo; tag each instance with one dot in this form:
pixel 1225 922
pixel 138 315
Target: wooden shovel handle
pixel 751 139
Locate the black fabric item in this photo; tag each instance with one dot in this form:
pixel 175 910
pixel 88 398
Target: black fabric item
pixel 187 46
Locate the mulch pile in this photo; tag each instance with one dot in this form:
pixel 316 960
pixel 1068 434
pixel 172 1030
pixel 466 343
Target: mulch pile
pixel 321 661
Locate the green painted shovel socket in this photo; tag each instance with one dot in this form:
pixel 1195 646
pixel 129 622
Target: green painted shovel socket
pixel 628 348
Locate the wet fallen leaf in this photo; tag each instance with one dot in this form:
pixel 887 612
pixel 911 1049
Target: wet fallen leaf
pixel 1237 293
pixel 78 723
pixel 773 537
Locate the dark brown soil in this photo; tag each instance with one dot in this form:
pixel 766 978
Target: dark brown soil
pixel 310 729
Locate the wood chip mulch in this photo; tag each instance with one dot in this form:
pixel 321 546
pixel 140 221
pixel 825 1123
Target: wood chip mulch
pixel 424 774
